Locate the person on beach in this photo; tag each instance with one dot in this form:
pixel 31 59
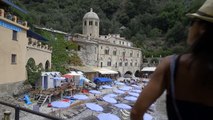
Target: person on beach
pixel 187 78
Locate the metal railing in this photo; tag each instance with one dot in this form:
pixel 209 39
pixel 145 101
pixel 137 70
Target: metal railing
pixel 18 108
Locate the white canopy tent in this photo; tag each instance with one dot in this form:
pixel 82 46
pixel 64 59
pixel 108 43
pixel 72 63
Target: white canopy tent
pixel 149 69
pixel 106 71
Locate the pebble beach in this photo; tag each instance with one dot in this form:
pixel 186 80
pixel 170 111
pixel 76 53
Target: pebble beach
pixel 78 110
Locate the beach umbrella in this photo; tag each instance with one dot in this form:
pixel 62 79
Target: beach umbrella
pixel 119 91
pixel 67 76
pixel 123 106
pixel 147 116
pixel 136 91
pixel 95 92
pixel 138 87
pixel 80 97
pixel 130 98
pixel 106 86
pixel 108 116
pixel 133 94
pixel 109 99
pixel 111 95
pixel 59 78
pixel 60 104
pixel 119 83
pixel 125 88
pixel 134 85
pixel 94 107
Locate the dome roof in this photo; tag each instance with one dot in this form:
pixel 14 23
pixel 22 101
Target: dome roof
pixel 91 15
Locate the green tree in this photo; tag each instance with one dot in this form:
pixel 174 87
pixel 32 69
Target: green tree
pixel 33 72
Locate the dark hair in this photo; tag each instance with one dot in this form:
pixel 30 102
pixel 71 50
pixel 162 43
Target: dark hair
pixel 202 54
pixel 203 46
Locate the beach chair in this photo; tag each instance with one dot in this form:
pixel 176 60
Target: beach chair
pixel 124 114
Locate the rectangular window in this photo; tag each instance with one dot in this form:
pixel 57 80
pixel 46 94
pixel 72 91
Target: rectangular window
pixel 13 59
pixel 85 23
pixel 120 63
pixel 101 64
pixel 124 53
pixel 96 23
pixel 14 37
pixel 126 63
pixel 109 63
pixel 114 52
pixel 116 65
pixel 107 52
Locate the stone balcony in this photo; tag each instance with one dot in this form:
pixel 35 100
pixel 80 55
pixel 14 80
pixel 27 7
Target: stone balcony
pixel 36 44
pixel 8 17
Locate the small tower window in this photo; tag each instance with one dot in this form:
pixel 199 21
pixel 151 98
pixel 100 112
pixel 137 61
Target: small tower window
pixel 85 23
pixel 96 23
pixel 90 22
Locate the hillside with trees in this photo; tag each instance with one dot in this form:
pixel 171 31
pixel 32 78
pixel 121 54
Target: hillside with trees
pixel 158 27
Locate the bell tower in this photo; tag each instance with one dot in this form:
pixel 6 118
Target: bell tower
pixel 91 24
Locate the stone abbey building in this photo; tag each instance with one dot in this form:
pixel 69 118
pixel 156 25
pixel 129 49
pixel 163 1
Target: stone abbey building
pixel 107 51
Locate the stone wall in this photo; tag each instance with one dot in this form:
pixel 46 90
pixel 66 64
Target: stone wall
pixel 14 89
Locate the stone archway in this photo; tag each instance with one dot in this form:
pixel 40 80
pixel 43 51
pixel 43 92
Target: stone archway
pixel 40 67
pixel 119 73
pixel 47 65
pixel 31 63
pixel 137 73
pixel 33 73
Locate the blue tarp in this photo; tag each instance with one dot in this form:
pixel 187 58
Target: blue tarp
pixel 32 34
pixel 102 79
pixel 15 6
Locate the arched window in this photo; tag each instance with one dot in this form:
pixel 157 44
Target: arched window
pixel 90 22
pixel 106 51
pixel 109 62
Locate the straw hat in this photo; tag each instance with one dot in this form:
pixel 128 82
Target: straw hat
pixel 205 12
